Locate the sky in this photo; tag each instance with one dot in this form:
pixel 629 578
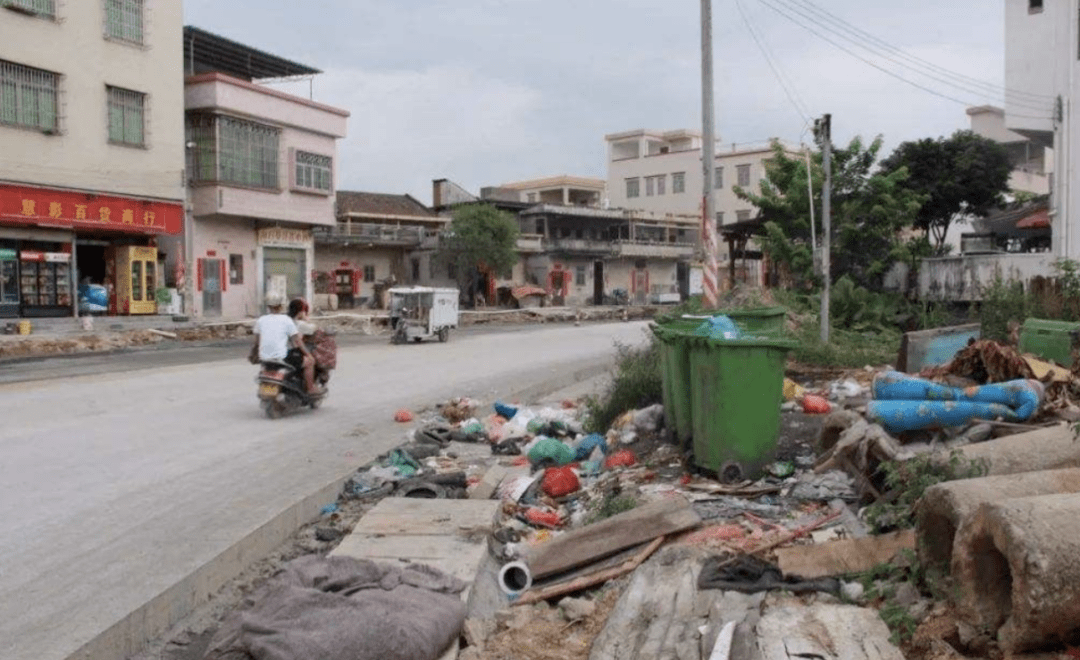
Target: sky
pixel 484 92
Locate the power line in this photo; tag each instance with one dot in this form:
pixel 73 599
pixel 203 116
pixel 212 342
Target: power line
pixel 996 89
pixel 791 94
pixel 861 43
pixel 881 68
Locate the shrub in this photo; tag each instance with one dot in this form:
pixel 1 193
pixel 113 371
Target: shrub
pixel 635 384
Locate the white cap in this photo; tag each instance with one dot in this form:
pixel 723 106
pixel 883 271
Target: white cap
pixel 275 300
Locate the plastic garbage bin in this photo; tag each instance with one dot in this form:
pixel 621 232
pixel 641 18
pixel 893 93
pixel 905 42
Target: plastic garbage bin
pixel 675 378
pixel 736 388
pixel 759 320
pixel 1050 340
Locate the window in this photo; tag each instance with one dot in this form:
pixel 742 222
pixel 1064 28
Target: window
pixel 39 8
pixel 650 186
pixel 718 178
pixel 719 219
pixel 124 20
pixel 313 172
pixel 416 269
pixel 1035 6
pixel 742 216
pixel 236 269
pixel 28 97
pixel 451 269
pixel 579 276
pixel 235 151
pixel 678 183
pixel 633 187
pixel 531 198
pixel 661 184
pixel 742 172
pixel 369 273
pixel 126 117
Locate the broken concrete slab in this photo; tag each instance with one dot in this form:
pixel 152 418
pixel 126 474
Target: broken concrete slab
pixel 1044 449
pixel 845 556
pixel 945 506
pixel 1016 566
pixel 489 483
pixel 823 630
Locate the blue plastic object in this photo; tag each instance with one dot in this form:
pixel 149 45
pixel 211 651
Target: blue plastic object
pixel 905 403
pixel 588 444
pixel 719 327
pixel 505 411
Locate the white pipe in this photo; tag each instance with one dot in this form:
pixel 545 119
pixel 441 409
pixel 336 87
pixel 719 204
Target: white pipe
pixel 515 579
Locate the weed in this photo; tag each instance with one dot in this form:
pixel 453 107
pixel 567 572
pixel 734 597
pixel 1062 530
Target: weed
pixel 906 481
pixel 635 384
pixel 611 505
pixel 899 620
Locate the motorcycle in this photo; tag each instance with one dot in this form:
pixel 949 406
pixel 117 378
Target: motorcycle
pixel 282 389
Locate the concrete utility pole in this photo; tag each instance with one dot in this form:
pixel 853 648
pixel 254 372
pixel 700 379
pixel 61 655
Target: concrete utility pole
pixel 708 161
pixel 825 131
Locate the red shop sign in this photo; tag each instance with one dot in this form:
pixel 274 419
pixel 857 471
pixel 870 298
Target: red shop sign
pixel 31 255
pixel 61 208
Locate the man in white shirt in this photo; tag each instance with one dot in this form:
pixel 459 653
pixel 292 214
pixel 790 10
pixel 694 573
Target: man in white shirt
pixel 277 338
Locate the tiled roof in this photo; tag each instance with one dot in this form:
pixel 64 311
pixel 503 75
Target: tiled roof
pixel 369 203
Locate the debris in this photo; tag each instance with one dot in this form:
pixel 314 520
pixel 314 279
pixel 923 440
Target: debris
pixel 548 519
pixel 329 508
pixel 823 630
pixel 560 481
pixel 486 487
pixel 851 590
pixel 403 416
pixel 588 444
pixel 162 333
pixel 621 458
pixel 505 411
pixel 784 538
pixel 815 405
pixel 1015 564
pixel 934 347
pixel 843 557
pixel 587 544
pixel 826 486
pixel 751 575
pixel 550 452
pixel 327 534
pixel 577 608
pixel 944 507
pixel 792 390
pixel 985 361
pixel 1044 449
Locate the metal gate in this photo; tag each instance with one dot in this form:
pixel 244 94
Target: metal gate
pixel 211 287
pixel 288 263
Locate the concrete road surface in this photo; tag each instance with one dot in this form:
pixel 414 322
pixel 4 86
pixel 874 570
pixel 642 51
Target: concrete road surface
pixel 125 498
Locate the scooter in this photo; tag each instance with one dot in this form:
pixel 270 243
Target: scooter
pixel 282 389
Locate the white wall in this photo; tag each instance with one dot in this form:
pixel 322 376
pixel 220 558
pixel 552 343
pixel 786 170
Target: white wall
pixel 81 157
pixel 225 236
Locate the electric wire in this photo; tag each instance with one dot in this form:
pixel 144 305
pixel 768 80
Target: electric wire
pixel 883 69
pixel 789 91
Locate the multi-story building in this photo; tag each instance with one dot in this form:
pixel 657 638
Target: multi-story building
pixel 1032 162
pixel 661 172
pixel 374 241
pixel 565 189
pixel 92 163
pixel 262 166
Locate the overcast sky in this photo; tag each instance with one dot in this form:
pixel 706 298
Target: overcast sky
pixel 489 91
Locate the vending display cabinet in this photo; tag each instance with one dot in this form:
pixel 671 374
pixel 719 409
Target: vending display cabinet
pixel 45 282
pixel 135 269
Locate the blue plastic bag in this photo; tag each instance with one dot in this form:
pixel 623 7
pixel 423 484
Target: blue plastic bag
pixel 505 411
pixel 719 327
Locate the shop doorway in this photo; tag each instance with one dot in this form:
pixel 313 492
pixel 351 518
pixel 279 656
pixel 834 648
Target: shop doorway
pixel 598 283
pixel 9 280
pixel 287 264
pixel 211 286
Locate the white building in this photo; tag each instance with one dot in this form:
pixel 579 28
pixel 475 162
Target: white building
pixel 92 156
pixel 1032 161
pixel 262 166
pixel 564 189
pixel 1042 82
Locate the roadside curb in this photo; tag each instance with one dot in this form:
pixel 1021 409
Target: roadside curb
pixel 141 626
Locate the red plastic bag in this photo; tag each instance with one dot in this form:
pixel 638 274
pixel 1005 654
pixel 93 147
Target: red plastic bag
pixel 621 458
pixel 403 416
pixel 815 405
pixel 560 481
pixel 543 518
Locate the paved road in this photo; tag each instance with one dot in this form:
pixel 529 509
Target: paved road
pixel 114 487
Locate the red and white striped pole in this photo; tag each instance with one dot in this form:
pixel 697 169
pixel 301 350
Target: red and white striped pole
pixel 708 162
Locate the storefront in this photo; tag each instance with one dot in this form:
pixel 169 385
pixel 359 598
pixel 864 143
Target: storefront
pixel 286 259
pixel 56 244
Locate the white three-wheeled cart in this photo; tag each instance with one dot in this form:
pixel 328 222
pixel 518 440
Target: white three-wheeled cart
pixel 421 312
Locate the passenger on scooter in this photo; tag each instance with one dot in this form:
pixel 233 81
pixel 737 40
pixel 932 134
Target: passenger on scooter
pixel 319 343
pixel 278 339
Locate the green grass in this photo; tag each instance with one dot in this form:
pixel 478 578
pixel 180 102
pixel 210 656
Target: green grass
pixel 635 384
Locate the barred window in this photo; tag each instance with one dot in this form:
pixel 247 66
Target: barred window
pixel 678 182
pixel 633 187
pixel 28 96
pixel 40 8
pixel 127 121
pixel 743 172
pixel 124 20
pixel 228 150
pixel 313 171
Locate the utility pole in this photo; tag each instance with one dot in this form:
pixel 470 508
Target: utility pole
pixel 825 132
pixel 708 161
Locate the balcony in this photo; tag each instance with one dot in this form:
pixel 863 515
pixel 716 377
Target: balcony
pixel 374 234
pixel 530 243
pixel 653 249
pixel 579 246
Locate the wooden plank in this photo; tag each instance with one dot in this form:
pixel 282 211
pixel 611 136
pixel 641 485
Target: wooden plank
pixel 587 544
pixel 843 557
pixel 486 488
pixel 404 515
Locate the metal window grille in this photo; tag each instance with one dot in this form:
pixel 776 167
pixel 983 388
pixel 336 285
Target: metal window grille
pixel 228 150
pixel 661 184
pixel 678 183
pixel 719 176
pixel 28 97
pixel 127 118
pixel 369 273
pixel 124 20
pixel 633 187
pixel 42 8
pixel 743 172
pixel 313 171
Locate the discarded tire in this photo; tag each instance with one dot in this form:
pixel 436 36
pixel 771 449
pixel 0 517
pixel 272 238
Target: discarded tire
pixel 1016 565
pixel 422 491
pixel 945 506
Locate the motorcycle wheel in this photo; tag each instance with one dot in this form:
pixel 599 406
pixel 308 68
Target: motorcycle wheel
pixel 315 403
pixel 272 409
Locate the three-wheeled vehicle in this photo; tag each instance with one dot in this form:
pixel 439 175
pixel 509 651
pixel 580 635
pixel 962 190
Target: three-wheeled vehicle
pixel 421 312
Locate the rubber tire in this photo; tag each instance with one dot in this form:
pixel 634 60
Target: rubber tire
pixel 444 334
pixel 395 338
pixel 272 409
pixel 315 403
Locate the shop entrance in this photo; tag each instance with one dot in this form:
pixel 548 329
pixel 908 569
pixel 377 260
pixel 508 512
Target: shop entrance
pixel 211 286
pixel 288 265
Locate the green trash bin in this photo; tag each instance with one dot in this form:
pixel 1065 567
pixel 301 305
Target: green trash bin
pixel 759 320
pixel 1050 340
pixel 736 388
pixel 675 380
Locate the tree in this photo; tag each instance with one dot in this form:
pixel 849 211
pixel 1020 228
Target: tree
pixel 480 238
pixel 965 174
pixel 868 213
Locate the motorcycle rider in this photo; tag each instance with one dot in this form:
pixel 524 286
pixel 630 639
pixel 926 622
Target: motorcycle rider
pixel 278 338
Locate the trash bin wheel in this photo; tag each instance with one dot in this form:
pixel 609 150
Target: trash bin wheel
pixel 444 334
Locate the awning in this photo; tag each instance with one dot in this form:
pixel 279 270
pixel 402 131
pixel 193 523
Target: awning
pixel 1038 219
